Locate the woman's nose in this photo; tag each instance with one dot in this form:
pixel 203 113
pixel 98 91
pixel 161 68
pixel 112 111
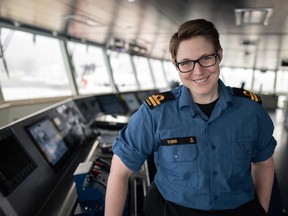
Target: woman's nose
pixel 197 68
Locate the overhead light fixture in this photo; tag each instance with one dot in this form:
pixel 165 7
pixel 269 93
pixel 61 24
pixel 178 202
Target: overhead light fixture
pixel 253 16
pixel 247 42
pixel 82 19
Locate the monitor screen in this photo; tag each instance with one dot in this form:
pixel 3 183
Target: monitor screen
pixel 59 123
pixel 69 115
pixel 88 107
pixel 111 104
pixel 15 163
pixel 84 109
pixel 131 101
pixel 48 140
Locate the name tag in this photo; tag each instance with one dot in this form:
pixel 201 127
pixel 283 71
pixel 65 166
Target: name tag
pixel 179 141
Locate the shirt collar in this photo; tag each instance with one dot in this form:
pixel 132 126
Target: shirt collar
pixel 225 96
pixel 185 98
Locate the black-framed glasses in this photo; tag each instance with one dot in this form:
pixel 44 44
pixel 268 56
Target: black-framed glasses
pixel 204 61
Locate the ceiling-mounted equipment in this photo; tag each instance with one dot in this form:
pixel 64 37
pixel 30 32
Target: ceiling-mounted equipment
pixel 82 19
pixel 253 16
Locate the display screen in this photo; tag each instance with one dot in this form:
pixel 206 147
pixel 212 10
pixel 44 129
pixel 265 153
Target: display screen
pixel 110 104
pixel 59 123
pixel 69 115
pixel 15 163
pixel 131 101
pixel 88 107
pixel 48 140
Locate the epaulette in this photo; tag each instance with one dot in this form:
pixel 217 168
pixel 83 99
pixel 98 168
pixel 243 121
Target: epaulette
pixel 157 99
pixel 248 94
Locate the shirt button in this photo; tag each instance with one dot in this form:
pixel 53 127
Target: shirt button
pixel 215 197
pixel 175 156
pixel 215 173
pixel 213 147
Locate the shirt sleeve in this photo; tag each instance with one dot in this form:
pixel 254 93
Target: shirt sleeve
pixel 266 142
pixel 136 141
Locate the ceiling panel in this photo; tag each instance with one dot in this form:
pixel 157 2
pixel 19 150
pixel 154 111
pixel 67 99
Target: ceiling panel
pixel 150 23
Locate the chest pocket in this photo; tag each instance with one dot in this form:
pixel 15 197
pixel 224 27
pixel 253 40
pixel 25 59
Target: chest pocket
pixel 180 163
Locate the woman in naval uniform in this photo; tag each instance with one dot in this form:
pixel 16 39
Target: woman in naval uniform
pixel 212 144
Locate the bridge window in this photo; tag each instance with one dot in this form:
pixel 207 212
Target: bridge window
pixel 31 66
pixel 143 72
pixel 237 77
pixel 171 72
pixel 158 73
pixel 123 72
pixel 264 81
pixel 282 80
pixel 90 69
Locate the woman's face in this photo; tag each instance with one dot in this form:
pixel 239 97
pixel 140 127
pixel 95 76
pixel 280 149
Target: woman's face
pixel 202 82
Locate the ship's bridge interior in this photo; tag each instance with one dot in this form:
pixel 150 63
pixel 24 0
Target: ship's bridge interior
pixel 72 72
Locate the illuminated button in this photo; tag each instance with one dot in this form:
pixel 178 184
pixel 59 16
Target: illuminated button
pixel 213 147
pixel 95 172
pixel 175 156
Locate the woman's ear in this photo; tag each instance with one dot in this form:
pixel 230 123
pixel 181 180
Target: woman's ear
pixel 173 62
pixel 220 55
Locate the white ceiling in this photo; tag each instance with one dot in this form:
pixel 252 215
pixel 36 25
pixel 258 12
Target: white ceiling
pixel 150 23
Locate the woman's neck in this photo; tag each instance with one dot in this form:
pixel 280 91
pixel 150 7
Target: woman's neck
pixel 206 98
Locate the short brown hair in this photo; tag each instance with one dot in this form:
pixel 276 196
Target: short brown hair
pixel 194 28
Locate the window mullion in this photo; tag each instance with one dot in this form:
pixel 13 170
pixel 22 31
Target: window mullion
pixel 69 68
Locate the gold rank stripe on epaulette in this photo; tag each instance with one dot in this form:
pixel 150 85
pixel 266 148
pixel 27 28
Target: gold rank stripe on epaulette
pixel 248 94
pixel 157 99
pixel 179 141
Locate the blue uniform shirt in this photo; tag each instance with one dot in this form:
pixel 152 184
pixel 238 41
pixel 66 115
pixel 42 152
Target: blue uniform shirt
pixel 202 163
